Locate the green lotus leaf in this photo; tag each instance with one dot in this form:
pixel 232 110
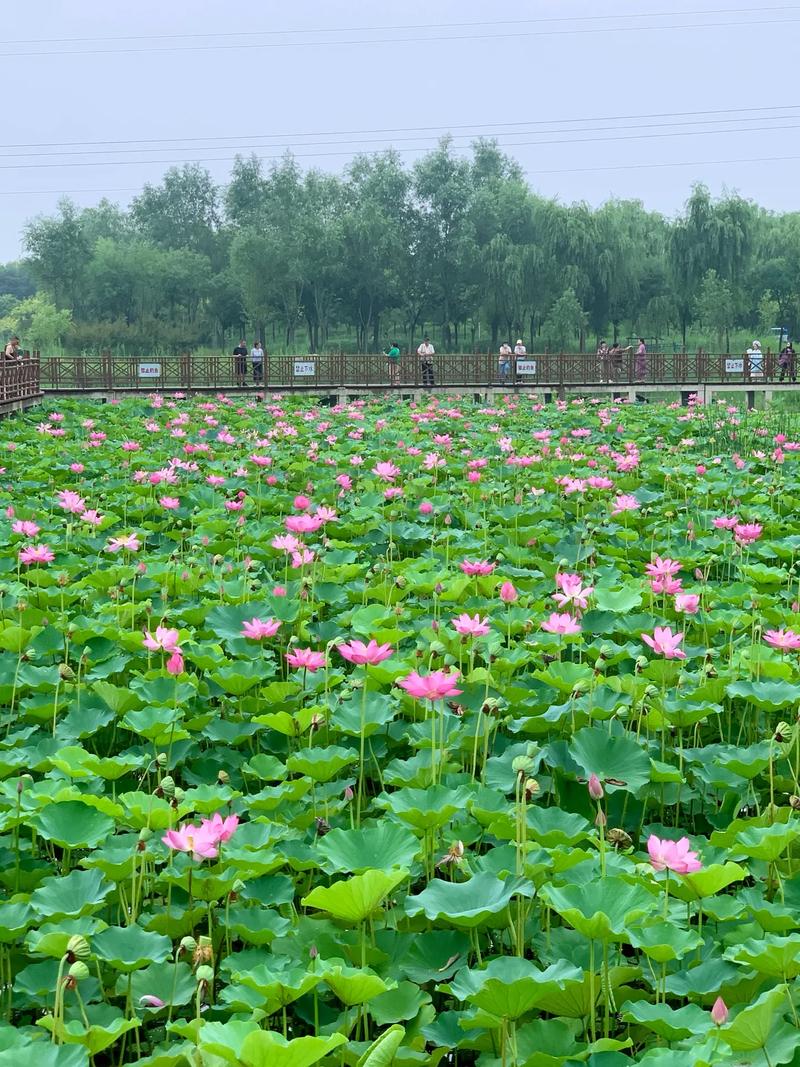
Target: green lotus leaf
pixel 15 918
pixel 467 904
pixel 601 911
pixel 663 941
pixel 620 601
pixel 766 842
pixel 509 988
pixel 128 948
pixel 387 844
pixel 277 988
pixel 79 893
pixel 72 825
pixel 777 957
pixel 45 1055
pixel 382 1051
pixel 404 1002
pixel 256 926
pixel 225 1039
pixel 708 881
pixel 171 983
pixel 107 1025
pixel 267 1049
pixel 238 677
pixel 616 756
pixel 750 1030
pixel 353 986
pixel 425 808
pixel 354 899
pixel 766 695
pixel 321 764
pixel 672 1024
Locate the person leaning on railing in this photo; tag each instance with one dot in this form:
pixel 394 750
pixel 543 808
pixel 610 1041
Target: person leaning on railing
pixel 12 352
pixel 426 352
pixel 393 358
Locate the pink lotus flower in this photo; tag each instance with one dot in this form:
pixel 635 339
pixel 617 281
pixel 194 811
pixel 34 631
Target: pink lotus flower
pixel 301 503
pixel 221 829
pixel 325 514
pixel 687 603
pixel 286 543
pixel 573 591
pixel 302 523
pixel 307 659
pixel 670 586
pixel 471 625
pixel 476 567
pixel 358 652
pixel 624 502
pixel 561 623
pixel 719 1012
pixel 92 517
pixel 425 507
pixel 665 642
pixel 71 501
pixel 726 522
pixel 199 841
pixel 169 503
pixel 258 629
pixel 662 568
pixel 25 527
pixel 387 471
pixel 130 542
pixel 674 856
pixel 508 594
pixel 165 639
pixel 174 664
pixel 786 640
pixel 434 686
pixel 36 554
pixel 302 557
pixel 747 532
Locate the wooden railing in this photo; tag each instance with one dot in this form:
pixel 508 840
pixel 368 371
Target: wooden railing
pixel 19 379
pixel 550 369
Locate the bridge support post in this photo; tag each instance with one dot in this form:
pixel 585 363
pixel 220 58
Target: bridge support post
pixel 685 394
pixel 751 399
pixel 768 395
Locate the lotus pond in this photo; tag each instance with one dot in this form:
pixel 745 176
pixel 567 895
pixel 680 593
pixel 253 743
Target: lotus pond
pixel 382 734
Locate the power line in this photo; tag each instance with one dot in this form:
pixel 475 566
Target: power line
pixel 420 137
pixel 736 111
pixel 557 170
pixel 408 26
pixel 516 35
pixel 414 148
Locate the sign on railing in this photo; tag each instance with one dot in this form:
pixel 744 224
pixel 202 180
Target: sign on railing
pixel 526 366
pixel 304 368
pixel 734 366
pixel 149 370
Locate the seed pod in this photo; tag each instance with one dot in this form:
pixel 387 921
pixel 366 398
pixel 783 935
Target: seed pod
pixel 204 974
pixel 188 944
pixel 223 777
pixel 78 947
pixel 167 786
pixel 619 839
pixel 78 971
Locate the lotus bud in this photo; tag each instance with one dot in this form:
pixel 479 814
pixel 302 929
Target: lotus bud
pixel 348 793
pixel 595 787
pixel 223 777
pixel 78 971
pixel 531 788
pixel 167 786
pixel 619 838
pixel 150 1001
pixel 438 589
pixel 188 945
pixel 719 1012
pixel 78 947
pixel 313 952
pixel 600 818
pixel 204 974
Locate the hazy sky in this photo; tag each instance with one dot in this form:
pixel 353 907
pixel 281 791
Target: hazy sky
pixel 220 72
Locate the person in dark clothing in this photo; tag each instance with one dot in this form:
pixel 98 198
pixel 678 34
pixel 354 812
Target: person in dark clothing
pixel 787 361
pixel 240 363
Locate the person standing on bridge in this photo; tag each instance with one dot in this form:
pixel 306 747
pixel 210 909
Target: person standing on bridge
pixel 257 359
pixel 604 360
pixel 641 360
pixel 504 360
pixel 787 361
pixel 240 362
pixel 393 358
pixel 426 352
pixel 11 351
pixel 755 360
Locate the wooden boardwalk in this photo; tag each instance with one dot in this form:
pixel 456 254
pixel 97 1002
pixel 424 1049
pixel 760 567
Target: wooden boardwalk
pixel 548 373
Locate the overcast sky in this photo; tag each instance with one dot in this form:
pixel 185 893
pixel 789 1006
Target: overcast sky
pixel 238 83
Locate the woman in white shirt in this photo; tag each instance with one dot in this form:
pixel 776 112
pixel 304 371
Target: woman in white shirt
pixel 426 352
pixel 755 360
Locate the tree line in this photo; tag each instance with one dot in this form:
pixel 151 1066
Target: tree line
pixel 459 248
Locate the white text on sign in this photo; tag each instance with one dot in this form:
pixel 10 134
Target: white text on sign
pixel 304 368
pixel 526 366
pixel 734 366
